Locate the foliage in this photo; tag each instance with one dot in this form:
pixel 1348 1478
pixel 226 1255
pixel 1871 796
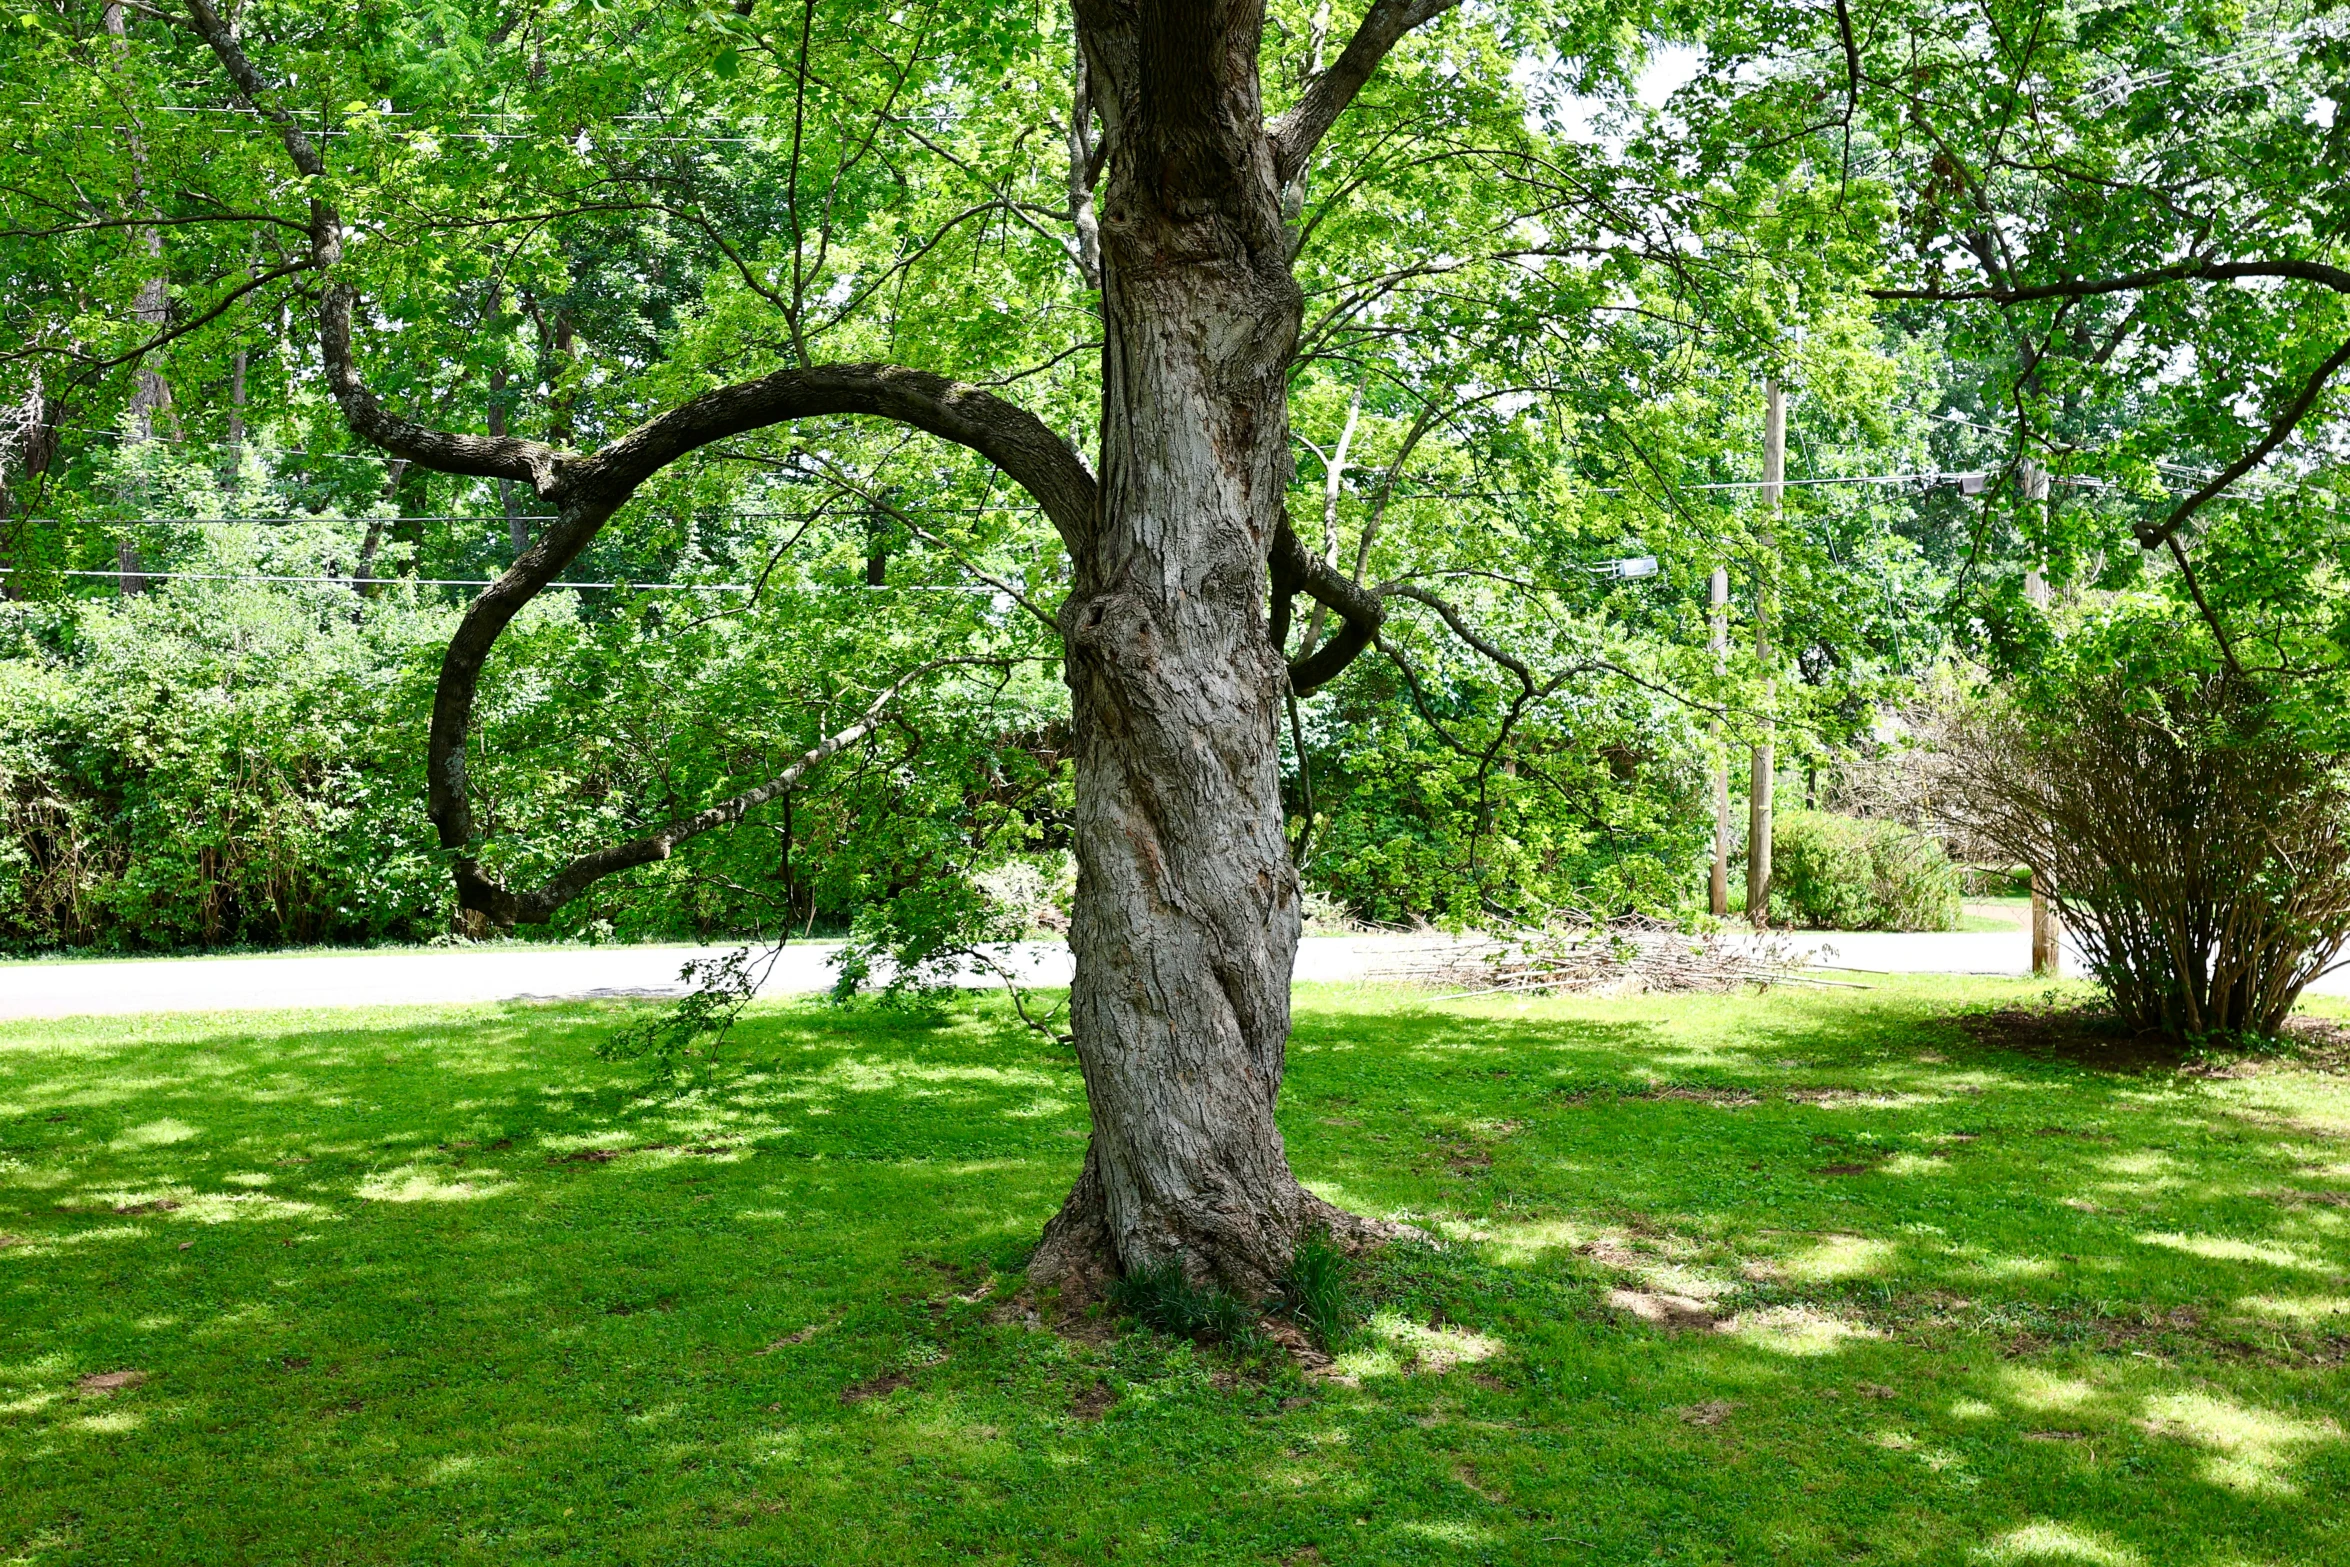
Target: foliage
pixel 1541 296
pixel 683 1039
pixel 1548 398
pixel 217 766
pixel 803 1344
pixel 1849 873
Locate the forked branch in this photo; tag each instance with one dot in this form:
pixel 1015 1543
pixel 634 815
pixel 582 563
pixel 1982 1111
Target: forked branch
pixel 1297 133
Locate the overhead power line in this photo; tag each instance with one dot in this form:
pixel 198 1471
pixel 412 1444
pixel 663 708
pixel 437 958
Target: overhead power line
pixel 581 141
pixel 483 582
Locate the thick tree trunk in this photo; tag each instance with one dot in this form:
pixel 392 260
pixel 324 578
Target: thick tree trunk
pixel 1186 921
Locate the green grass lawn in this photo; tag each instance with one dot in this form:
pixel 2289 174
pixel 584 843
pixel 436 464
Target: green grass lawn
pixel 442 1287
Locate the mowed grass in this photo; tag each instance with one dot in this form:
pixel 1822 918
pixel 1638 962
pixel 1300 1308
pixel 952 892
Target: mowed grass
pixel 442 1287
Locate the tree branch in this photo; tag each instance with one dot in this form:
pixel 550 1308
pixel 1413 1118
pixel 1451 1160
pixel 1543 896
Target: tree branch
pixel 2283 425
pixel 1007 435
pixel 1295 134
pixel 587 489
pixel 219 307
pixel 1297 569
pixel 1462 629
pixel 534 463
pixel 2202 271
pixel 537 905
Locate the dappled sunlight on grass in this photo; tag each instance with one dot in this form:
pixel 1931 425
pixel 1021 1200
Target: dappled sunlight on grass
pixel 409 1184
pixel 1797 1330
pixel 442 1286
pixel 2308 1310
pixel 2223 1248
pixel 2056 1543
pixel 1402 1346
pixel 1839 1257
pixel 2251 1449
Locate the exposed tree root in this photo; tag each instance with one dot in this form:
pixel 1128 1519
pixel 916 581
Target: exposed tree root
pixel 1077 1256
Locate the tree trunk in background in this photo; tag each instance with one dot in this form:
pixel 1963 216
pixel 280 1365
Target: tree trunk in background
pixel 517 530
pixel 1186 921
pixel 2046 959
pixel 1766 758
pixel 28 438
pixel 1718 884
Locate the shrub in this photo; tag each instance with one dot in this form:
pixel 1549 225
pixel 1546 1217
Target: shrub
pixel 1847 873
pixel 2196 847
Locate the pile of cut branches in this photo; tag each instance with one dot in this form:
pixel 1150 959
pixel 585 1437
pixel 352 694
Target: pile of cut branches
pixel 1628 954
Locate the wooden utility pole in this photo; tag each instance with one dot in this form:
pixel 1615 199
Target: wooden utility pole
pixel 1766 762
pixel 1719 885
pixel 150 395
pixel 2046 960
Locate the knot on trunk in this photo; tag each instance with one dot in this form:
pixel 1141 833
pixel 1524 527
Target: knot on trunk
pixel 1115 623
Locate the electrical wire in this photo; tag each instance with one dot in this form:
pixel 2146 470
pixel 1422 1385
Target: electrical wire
pixel 482 582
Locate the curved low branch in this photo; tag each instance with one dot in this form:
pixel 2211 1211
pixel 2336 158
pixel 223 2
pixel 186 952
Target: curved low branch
pixel 1009 436
pixel 1297 133
pixel 535 906
pixel 1296 570
pixel 586 490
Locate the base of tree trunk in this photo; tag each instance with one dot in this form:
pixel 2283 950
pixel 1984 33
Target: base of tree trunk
pixel 1078 1255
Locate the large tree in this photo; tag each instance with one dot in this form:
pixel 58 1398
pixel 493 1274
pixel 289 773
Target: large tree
pixel 1187 913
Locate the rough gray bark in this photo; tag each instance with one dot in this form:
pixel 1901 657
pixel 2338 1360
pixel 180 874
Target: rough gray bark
pixel 1186 921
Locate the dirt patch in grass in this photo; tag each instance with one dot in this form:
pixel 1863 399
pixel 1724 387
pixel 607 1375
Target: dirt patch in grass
pixel 875 1387
pixel 110 1381
pixel 1722 1098
pixel 1091 1403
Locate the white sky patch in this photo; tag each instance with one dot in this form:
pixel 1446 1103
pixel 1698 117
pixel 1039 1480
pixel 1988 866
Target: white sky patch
pixel 1670 67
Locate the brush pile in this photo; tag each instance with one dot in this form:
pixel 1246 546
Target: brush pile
pixel 1629 954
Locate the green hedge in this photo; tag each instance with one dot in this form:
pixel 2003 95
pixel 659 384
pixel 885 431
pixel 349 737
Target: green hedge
pixel 1845 873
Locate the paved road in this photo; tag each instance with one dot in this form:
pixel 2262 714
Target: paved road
pixel 512 973
pixel 507 973
pixel 499 973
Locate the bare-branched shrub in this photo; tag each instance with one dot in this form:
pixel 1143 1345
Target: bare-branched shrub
pixel 2198 854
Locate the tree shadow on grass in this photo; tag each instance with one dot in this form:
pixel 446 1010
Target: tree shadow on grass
pixel 455 1290
pixel 1975 1300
